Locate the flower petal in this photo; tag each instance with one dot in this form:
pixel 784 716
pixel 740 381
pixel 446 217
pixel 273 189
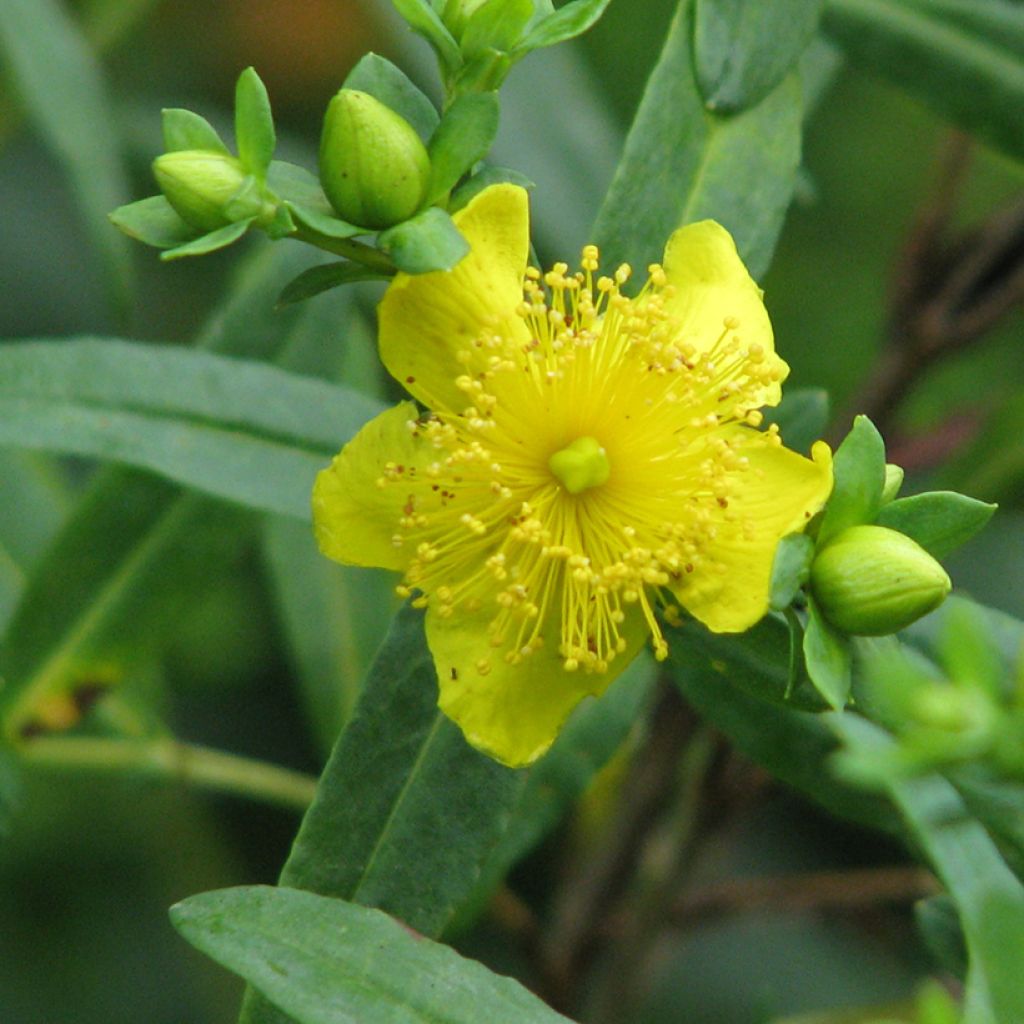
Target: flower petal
pixel 426 320
pixel 778 494
pixel 513 712
pixel 711 284
pixel 354 519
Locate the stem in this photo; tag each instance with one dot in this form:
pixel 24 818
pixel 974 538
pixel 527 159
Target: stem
pixel 358 252
pixel 171 760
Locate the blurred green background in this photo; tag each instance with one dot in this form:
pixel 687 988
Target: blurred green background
pixel 89 865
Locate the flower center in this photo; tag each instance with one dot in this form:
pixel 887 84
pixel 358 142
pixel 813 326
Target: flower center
pixel 581 465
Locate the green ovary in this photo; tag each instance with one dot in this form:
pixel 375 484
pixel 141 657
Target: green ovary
pixel 581 465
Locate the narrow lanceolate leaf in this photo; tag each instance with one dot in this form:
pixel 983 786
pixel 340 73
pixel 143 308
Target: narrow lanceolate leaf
pixel 133 546
pixel 744 50
pixel 567 22
pixel 684 164
pixel 423 19
pixel 324 961
pixel 247 432
pixel 859 470
pixel 400 777
pixel 462 139
pixel 94 604
pixel 406 811
pixel 323 277
pixel 940 521
pixel 254 124
pixel 62 88
pixel 990 899
pixel 964 60
pixel 34 499
pixel 828 658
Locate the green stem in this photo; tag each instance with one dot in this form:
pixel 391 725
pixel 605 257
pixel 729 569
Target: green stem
pixel 358 252
pixel 168 759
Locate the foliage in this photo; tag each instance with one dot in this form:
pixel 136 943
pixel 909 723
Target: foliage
pixel 168 626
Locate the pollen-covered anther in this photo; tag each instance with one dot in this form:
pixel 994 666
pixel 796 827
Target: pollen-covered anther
pixel 473 524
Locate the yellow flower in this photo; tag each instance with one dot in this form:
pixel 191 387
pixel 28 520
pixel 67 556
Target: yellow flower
pixel 585 458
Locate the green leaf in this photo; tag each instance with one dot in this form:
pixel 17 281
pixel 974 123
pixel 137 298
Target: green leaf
pixel 133 546
pixel 801 417
pixel 62 88
pixel 333 617
pixel 758 662
pixel 939 925
pixel 154 222
pixel 790 569
pixel 940 521
pixel 184 129
pixel 744 50
pixel 828 658
pixel 496 25
pixel 246 432
pixel 211 242
pixel 380 78
pixel 254 124
pixel 10 792
pixel 322 278
pixel 989 897
pixel 683 164
pixel 94 604
pixel 328 225
pixel 962 59
pixel 462 139
pixel 481 180
pixel 400 776
pixel 566 23
pixel 429 241
pixel 324 961
pixel 424 20
pixel 296 185
pixel 792 745
pixel 859 472
pixel 34 500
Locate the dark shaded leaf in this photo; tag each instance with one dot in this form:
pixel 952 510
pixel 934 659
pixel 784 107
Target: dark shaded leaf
pixel 62 87
pixel 745 49
pixel 684 164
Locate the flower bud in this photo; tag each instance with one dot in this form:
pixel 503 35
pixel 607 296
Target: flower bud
pixel 872 581
pixel 373 167
pixel 200 184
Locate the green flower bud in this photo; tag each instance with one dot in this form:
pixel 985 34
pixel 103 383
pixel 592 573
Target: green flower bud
pixel 872 581
pixel 207 190
pixel 373 167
